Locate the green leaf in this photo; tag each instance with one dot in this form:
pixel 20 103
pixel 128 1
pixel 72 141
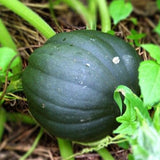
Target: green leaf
pixel 124 145
pixel 154 51
pixel 129 118
pixel 119 10
pixel 135 36
pixel 128 125
pixel 157 28
pixel 158 4
pixel 146 143
pixel 134 20
pixel 15 86
pixel 130 156
pixel 6 56
pixel 156 118
pixel 149 81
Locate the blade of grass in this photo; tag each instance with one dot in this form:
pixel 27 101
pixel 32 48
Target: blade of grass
pixel 33 146
pixel 53 15
pixel 30 16
pixel 82 10
pixel 5 37
pixel 2 121
pixel 104 15
pixel 65 147
pixel 19 117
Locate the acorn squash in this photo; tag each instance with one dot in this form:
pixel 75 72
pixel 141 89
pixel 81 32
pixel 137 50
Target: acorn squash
pixel 69 83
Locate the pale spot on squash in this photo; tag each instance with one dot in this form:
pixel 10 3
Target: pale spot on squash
pixel 82 120
pixel 116 60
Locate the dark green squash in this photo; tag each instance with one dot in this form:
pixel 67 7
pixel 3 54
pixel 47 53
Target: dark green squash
pixel 69 83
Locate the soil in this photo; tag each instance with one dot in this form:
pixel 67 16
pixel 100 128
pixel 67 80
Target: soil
pixel 18 137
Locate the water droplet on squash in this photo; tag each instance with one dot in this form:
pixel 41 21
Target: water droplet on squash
pixel 92 39
pixel 88 65
pixel 84 87
pixel 116 60
pixel 80 82
pixel 43 105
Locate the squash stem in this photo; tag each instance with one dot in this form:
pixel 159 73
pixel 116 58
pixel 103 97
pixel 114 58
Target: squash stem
pixel 105 154
pixel 66 149
pixel 104 15
pixel 5 37
pixel 82 10
pixel 30 16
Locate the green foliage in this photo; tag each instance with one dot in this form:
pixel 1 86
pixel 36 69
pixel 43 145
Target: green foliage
pixel 134 20
pixel 26 13
pixel 104 15
pixel 156 118
pixel 135 36
pixel 142 132
pixel 144 138
pixel 89 13
pixel 157 28
pixel 149 76
pixel 146 143
pixel 158 4
pixel 149 80
pixel 5 37
pixel 128 119
pixel 119 10
pixel 19 117
pixel 35 143
pixel 154 51
pixel 9 62
pixel 65 148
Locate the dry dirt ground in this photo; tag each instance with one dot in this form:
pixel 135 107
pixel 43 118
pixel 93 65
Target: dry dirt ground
pixel 18 137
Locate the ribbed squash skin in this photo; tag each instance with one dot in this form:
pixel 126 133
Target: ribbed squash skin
pixel 69 83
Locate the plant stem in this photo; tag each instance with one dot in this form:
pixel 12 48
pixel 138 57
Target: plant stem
pixel 5 37
pixel 82 10
pixel 104 15
pixel 92 5
pixel 30 16
pixel 65 147
pixel 104 153
pixel 33 146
